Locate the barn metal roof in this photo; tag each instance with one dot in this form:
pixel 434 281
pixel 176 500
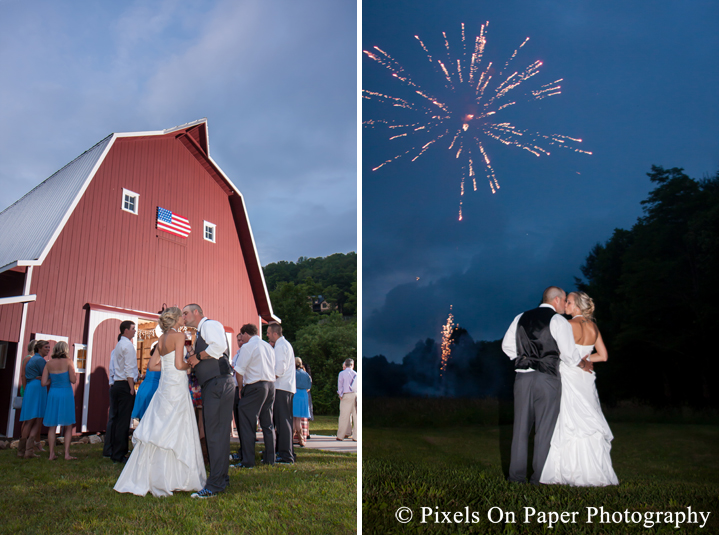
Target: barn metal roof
pixel 27 227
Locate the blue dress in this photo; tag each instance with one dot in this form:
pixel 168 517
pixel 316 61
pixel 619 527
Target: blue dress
pixel 300 402
pixel 145 392
pixel 60 408
pixel 35 397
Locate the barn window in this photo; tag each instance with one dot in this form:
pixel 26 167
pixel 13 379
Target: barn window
pixel 209 232
pixel 81 358
pixel 130 200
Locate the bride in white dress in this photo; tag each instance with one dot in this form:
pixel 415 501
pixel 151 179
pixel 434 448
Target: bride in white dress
pixel 167 455
pixel 579 451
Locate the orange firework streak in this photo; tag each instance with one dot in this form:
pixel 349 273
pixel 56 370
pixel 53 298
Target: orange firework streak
pixel 446 342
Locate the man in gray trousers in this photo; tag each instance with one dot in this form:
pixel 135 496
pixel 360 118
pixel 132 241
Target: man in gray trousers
pixel 255 369
pixel 536 341
pixel 210 360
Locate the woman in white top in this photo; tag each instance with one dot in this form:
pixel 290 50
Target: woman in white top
pixel 579 451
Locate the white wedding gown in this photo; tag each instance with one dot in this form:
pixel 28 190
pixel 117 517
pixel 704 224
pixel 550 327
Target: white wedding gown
pixel 167 455
pixel 579 451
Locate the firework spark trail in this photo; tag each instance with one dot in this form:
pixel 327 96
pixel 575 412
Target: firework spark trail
pixel 441 116
pixel 446 348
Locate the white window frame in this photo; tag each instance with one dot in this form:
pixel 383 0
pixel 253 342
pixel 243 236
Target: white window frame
pixel 51 337
pixel 79 347
pixel 136 196
pixel 207 225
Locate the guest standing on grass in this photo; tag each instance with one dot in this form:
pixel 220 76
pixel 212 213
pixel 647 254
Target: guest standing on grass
pixel 256 371
pixel 34 400
pixel 107 447
pixel 59 375
pixel 122 393
pixel 23 384
pixel 284 393
pixel 149 384
pixel 347 391
pixel 236 457
pixel 301 405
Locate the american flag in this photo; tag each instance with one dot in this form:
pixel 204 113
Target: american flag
pixel 173 223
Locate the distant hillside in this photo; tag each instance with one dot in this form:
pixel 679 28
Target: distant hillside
pixel 334 277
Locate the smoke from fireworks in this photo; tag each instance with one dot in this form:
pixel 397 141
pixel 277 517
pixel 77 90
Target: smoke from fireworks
pixel 446 342
pixel 467 118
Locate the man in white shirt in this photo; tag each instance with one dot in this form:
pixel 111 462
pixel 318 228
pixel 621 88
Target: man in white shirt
pixel 107 447
pixel 284 393
pixel 236 403
pixel 347 391
pixel 256 371
pixel 536 340
pixel 210 360
pixel 122 393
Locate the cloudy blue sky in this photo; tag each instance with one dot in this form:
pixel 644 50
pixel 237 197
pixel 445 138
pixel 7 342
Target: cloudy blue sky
pixel 639 87
pixel 277 81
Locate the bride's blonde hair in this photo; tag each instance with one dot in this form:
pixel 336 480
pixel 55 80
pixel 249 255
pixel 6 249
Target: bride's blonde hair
pixel 169 317
pixel 585 304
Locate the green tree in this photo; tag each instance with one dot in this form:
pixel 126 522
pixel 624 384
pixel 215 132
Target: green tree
pixel 325 346
pixel 291 305
pixel 331 276
pixel 655 287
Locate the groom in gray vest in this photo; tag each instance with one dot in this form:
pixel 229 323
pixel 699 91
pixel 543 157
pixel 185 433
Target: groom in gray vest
pixel 536 341
pixel 210 360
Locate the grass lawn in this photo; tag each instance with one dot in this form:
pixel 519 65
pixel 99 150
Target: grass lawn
pixel 39 496
pixel 662 467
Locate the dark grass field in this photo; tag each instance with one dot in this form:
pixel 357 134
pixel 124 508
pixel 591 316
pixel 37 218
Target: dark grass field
pixel 40 496
pixel 430 459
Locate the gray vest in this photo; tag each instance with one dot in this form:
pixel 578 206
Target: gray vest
pixel 210 368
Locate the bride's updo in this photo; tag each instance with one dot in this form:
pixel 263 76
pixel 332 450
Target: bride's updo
pixel 585 304
pixel 169 317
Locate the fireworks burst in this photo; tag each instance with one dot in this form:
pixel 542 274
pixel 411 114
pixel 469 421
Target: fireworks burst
pixel 465 120
pixel 447 329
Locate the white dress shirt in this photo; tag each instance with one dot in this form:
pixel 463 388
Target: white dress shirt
pixel 561 331
pixel 256 361
pixel 213 332
pixel 284 366
pixel 233 363
pixel 111 371
pixel 125 360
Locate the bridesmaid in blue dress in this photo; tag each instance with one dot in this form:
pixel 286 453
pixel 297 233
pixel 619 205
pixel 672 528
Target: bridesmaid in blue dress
pixel 34 399
pixel 149 384
pixel 60 375
pixel 300 401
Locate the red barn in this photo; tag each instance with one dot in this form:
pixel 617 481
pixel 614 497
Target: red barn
pixel 138 220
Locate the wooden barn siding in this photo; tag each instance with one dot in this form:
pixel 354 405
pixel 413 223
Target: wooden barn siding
pixel 108 256
pixel 10 317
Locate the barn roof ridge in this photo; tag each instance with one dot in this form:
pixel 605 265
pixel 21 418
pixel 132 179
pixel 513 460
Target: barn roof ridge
pixel 56 172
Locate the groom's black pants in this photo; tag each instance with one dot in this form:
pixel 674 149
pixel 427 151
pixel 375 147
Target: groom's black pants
pixel 536 402
pixel 217 399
